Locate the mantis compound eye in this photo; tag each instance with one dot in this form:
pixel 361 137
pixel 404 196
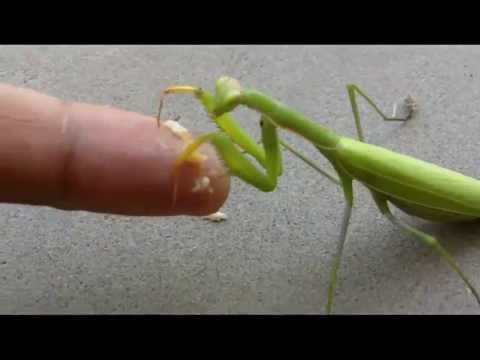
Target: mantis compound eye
pixel 261 122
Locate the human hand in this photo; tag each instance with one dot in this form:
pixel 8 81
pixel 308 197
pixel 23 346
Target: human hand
pixel 76 156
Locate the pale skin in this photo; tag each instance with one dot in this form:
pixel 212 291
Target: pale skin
pixel 418 188
pixel 77 156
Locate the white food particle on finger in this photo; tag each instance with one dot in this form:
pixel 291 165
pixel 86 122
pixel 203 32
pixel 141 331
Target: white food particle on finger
pixel 175 127
pixel 201 184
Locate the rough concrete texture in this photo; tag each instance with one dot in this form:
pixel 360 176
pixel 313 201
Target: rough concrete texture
pixel 274 252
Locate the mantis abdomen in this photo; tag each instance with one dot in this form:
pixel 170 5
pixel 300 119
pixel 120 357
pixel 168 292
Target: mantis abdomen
pixel 415 186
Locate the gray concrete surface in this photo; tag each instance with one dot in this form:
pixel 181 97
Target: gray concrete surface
pixel 274 252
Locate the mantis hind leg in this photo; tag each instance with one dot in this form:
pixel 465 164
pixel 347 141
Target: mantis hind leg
pixel 428 240
pixel 354 89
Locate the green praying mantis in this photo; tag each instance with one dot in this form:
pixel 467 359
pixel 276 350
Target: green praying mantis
pixel 416 187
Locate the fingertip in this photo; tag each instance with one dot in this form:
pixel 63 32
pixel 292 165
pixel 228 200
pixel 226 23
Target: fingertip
pixel 77 156
pixel 126 164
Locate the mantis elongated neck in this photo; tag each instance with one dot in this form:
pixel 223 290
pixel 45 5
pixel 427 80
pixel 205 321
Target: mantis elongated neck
pixel 289 118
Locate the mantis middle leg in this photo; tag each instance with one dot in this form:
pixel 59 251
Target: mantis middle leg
pixel 348 194
pixel 352 89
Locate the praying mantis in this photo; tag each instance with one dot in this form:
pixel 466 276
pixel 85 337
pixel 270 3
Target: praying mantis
pixel 416 187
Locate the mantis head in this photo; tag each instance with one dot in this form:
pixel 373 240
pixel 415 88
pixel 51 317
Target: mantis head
pixel 227 92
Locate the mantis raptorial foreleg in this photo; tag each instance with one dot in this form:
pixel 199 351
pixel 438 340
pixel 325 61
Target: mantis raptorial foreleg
pixel 169 90
pixel 268 155
pixel 238 135
pixel 426 239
